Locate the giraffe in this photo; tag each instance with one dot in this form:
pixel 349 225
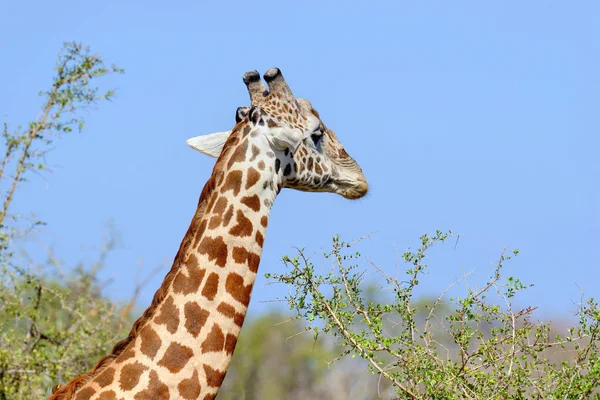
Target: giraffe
pixel 181 346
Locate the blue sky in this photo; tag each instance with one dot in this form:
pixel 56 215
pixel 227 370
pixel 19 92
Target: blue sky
pixel 471 116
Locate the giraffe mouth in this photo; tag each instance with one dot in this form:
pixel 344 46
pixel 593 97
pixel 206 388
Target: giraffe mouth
pixel 352 190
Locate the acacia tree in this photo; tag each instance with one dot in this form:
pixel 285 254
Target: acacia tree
pixel 51 327
pixel 478 345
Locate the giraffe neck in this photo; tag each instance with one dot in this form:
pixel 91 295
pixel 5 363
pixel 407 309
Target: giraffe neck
pixel 184 347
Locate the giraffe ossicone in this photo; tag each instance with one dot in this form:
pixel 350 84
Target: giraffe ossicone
pixel 181 346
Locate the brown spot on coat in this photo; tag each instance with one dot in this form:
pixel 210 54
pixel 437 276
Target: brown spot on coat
pixel 127 354
pixel 215 249
pixel 264 220
pixel 106 377
pixel 156 389
pixel 169 315
pixel 215 221
pixel 85 393
pixel 130 375
pixel 253 261
pixel 220 206
pixel 228 215
pixel 243 227
pixel 261 165
pixel 253 202
pixel 260 239
pixel 255 152
pixel 309 165
pixel 253 177
pixel 200 232
pixel 195 318
pixel 236 288
pixel 188 284
pixel 150 342
pixel 214 377
pixel 215 340
pixel 211 286
pixel 240 255
pixel 176 357
pixel 233 181
pixel 230 342
pixel 318 169
pixel 190 388
pixel 229 311
pixel 107 395
pixel 239 154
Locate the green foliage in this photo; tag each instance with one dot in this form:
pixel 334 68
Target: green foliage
pixel 468 347
pixel 272 361
pixel 50 328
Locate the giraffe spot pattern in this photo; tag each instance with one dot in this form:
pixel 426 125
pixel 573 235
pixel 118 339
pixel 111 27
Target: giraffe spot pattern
pixel 188 284
pixel 228 215
pixel 264 220
pixel 200 233
pixel 255 152
pixel 228 311
pixel 277 165
pixel 261 165
pixel 215 221
pixel 106 377
pixel 260 239
pixel 214 377
pixel 253 202
pixel 85 393
pixel 215 340
pixel 239 154
pixel 230 342
pixel 253 261
pixel 176 357
pixel 156 390
pixel 150 342
pixel 252 178
pixel 211 286
pixel 130 375
pixel 287 170
pixel 239 254
pixel 220 206
pixel 236 288
pixel 126 355
pixel 195 318
pixel 189 388
pixel 243 227
pixel 107 395
pixel 215 249
pixel 233 182
pixel 169 315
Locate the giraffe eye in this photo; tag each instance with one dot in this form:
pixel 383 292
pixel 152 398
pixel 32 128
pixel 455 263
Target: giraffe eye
pixel 316 138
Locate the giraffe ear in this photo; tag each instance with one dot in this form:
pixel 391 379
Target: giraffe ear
pixel 211 144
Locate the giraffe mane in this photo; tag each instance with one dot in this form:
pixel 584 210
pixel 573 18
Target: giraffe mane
pixel 69 389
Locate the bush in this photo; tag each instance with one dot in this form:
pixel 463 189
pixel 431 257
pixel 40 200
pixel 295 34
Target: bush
pixel 467 347
pixel 51 328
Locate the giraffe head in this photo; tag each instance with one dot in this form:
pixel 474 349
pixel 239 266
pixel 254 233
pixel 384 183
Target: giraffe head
pixel 308 155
